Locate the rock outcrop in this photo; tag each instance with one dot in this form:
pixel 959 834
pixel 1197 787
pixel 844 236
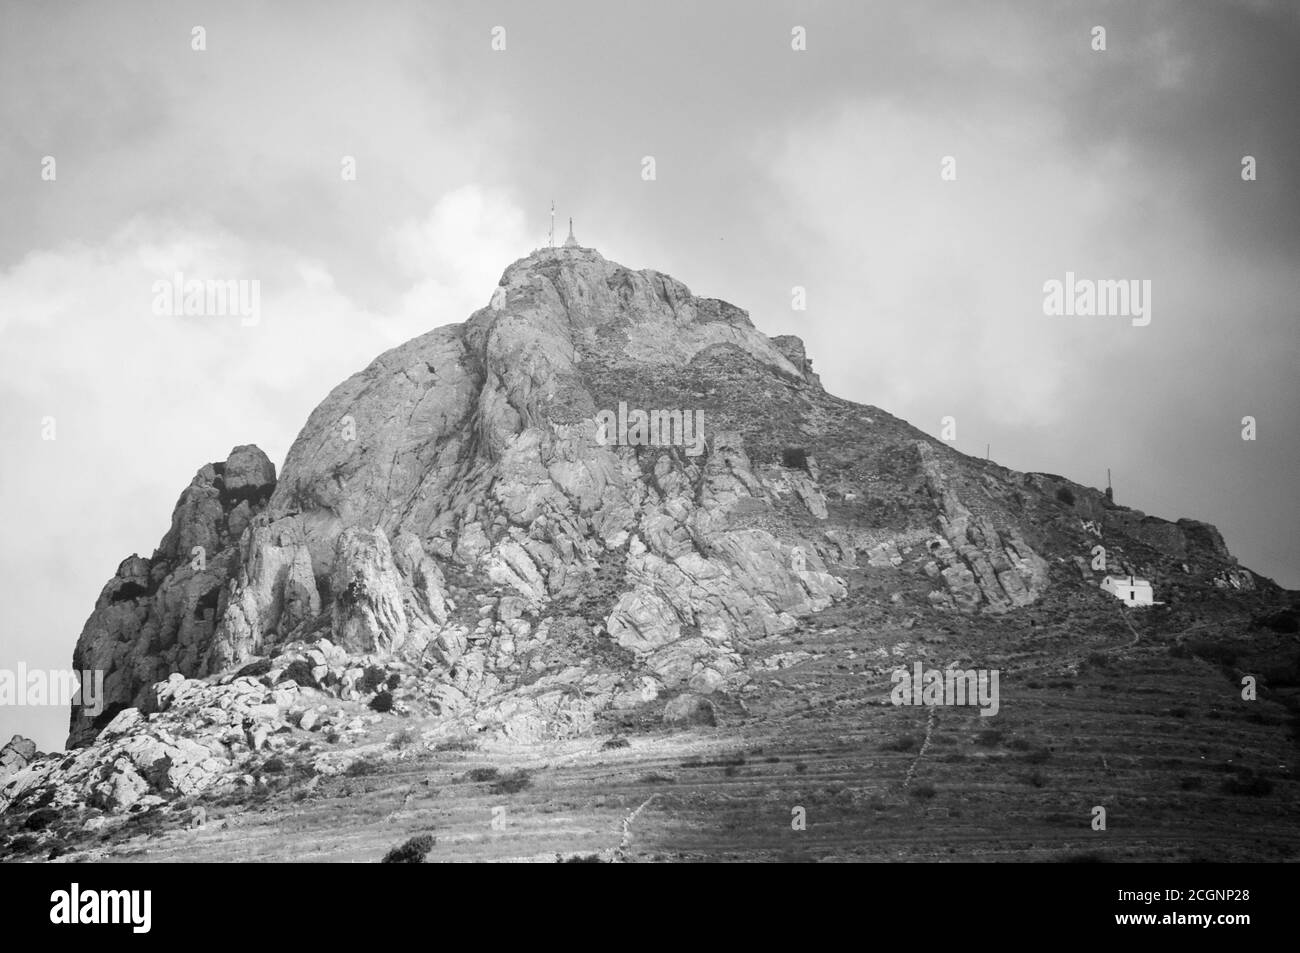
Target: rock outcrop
pixel 159 615
pixel 982 564
pixel 469 453
pixel 15 755
pixel 457 512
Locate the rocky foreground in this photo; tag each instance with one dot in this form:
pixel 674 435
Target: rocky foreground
pixel 460 589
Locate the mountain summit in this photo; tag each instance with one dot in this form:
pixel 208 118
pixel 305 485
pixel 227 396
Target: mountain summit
pixel 600 500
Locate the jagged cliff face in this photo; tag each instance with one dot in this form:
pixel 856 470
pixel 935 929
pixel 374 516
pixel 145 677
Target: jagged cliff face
pixel 461 504
pixel 158 615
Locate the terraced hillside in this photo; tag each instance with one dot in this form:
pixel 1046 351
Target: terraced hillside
pixel 1128 710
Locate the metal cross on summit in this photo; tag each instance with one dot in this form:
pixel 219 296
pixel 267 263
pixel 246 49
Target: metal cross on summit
pixel 571 242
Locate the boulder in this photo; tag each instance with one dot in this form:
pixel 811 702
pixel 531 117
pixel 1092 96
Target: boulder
pixel 689 709
pixel 17 753
pixel 248 473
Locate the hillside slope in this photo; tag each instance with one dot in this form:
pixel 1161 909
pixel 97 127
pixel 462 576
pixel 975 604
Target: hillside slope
pixel 474 545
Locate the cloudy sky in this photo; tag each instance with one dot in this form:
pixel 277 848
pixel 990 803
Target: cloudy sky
pixel 775 168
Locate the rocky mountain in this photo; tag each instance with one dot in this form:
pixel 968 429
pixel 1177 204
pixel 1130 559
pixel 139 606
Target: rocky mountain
pixel 600 494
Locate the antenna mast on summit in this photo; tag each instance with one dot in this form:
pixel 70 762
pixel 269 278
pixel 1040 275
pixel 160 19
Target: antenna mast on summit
pixel 552 235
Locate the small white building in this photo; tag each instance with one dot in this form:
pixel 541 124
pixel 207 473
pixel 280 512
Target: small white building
pixel 1133 590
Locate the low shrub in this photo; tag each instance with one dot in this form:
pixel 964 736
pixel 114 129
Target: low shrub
pixel 361 768
pixel 512 783
pixel 412 852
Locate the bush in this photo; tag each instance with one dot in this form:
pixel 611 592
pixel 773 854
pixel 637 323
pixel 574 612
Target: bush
pixel 906 743
pixel 254 669
pixel 512 783
pixel 361 768
pixel 412 852
pixel 402 739
pixel 298 671
pixel 372 678
pixel 383 702
pixel 479 775
pixel 1065 495
pixel 923 792
pixel 613 743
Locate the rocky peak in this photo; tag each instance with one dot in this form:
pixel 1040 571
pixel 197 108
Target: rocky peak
pixel 599 489
pixel 592 292
pixel 157 615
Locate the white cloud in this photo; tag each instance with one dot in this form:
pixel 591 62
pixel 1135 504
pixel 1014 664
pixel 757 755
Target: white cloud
pixel 457 253
pixel 142 401
pixel 931 286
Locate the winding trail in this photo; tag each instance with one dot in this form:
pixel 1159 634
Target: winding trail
pixel 925 746
pixel 626 842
